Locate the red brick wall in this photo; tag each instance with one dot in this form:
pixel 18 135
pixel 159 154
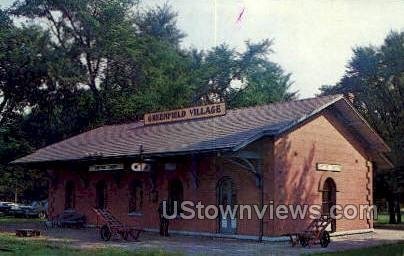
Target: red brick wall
pixel 324 140
pixel 290 177
pixel 211 169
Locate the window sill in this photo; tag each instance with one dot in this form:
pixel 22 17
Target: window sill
pixel 135 214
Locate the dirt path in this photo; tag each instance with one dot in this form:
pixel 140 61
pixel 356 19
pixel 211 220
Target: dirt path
pixel 89 238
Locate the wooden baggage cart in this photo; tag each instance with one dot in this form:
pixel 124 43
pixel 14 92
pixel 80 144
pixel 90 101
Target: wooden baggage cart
pixel 113 227
pixel 315 233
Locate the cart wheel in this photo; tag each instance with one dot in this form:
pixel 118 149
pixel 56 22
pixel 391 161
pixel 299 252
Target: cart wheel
pixel 42 215
pixel 125 236
pixel 325 239
pixel 304 242
pixel 105 233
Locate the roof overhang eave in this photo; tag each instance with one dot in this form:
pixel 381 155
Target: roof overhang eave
pixel 290 126
pixel 382 161
pixel 380 145
pixel 120 157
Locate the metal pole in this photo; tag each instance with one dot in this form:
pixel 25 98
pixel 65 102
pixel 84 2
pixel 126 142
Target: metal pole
pixel 261 234
pixel 261 184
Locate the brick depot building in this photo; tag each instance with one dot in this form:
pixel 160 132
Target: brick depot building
pixel 312 151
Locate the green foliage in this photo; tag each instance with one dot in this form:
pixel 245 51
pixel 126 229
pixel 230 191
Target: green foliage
pixel 218 69
pixel 267 84
pixel 240 78
pixel 160 23
pixel 375 76
pixel 162 82
pixel 14 180
pixel 91 33
pixel 23 68
pixel 5 21
pixel 87 63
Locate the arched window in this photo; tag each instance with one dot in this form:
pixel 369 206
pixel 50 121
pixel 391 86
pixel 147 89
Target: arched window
pixel 101 195
pixel 69 195
pixel 135 196
pixel 176 192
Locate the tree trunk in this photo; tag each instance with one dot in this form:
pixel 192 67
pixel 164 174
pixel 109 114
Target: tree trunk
pixel 398 210
pixel 16 196
pixel 392 214
pixel 98 107
pixel 92 77
pixel 3 110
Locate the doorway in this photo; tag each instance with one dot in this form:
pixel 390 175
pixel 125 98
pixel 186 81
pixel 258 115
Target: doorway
pixel 175 195
pixel 330 200
pixel 226 196
pixel 101 195
pixel 69 195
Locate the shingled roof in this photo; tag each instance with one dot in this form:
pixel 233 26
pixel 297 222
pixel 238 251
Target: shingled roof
pixel 236 129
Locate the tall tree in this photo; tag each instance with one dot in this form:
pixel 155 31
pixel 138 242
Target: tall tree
pixel 91 32
pixel 375 76
pixel 240 78
pixel 162 82
pixel 161 23
pixel 268 83
pixel 23 67
pixel 35 89
pixel 94 62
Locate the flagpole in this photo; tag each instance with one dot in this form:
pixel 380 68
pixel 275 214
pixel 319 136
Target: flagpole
pixel 215 22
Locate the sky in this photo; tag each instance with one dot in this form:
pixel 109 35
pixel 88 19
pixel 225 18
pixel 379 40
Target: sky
pixel 313 40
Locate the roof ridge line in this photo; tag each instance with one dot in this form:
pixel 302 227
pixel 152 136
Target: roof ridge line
pixel 292 123
pixel 285 102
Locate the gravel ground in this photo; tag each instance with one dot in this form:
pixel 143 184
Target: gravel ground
pixel 89 238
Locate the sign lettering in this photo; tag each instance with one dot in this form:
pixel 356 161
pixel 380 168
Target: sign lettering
pixel 329 167
pixel 185 114
pixel 105 167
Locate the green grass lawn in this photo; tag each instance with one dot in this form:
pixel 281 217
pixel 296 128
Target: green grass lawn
pixel 12 245
pixel 382 219
pixel 390 250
